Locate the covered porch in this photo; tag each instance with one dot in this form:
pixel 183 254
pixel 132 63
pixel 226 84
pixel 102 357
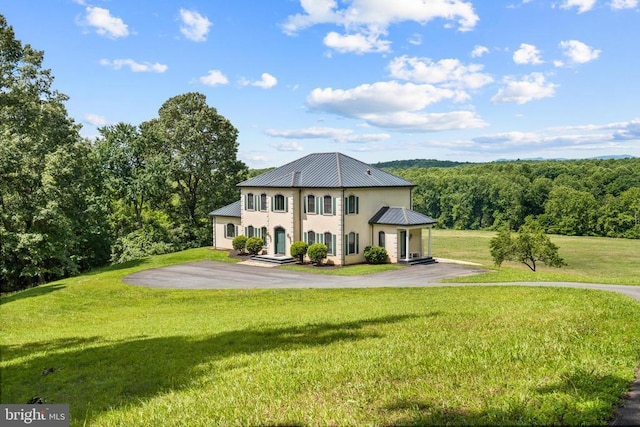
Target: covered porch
pixel 400 232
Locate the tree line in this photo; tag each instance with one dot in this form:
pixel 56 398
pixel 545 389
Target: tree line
pixel 68 204
pixel 599 197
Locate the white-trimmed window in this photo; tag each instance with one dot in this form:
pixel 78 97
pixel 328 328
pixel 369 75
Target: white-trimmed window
pixel 249 231
pixel 381 239
pixel 263 234
pixel 330 243
pixel 310 237
pixel 279 203
pixel 230 231
pixel 250 202
pixel 351 205
pixel 310 204
pixel 263 202
pixel 329 205
pixel 352 243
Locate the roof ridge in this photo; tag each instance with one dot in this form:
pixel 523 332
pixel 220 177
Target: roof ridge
pixel 339 169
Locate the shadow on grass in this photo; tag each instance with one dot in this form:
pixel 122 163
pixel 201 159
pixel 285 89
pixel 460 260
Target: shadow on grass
pixel 580 398
pixel 31 293
pixel 97 379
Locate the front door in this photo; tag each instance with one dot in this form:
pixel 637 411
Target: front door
pixel 280 236
pixel 403 244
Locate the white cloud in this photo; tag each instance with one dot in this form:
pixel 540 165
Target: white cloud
pixel 356 43
pixel 531 87
pixel 624 4
pixel 582 5
pixel 214 78
pixel 336 134
pixel 104 23
pixel 287 146
pixel 95 120
pixel 194 26
pixel 267 81
pixel 366 20
pixel 415 39
pixel 393 105
pixel 136 67
pixel 577 52
pixel 450 73
pixel 527 54
pixel 478 51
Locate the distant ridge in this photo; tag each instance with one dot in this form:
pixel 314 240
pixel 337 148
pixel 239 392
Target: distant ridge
pixel 535 159
pixel 420 163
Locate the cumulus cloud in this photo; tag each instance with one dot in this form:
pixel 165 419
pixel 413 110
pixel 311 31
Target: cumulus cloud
pixel 478 51
pixel 194 26
pixel 577 53
pixel 367 20
pixel 267 81
pixel 136 67
pixel 287 146
pixel 449 73
pixel 527 54
pixel 582 5
pixel 393 105
pixel 95 119
pixel 214 78
pixel 357 43
pixel 104 23
pixel 624 4
pixel 531 87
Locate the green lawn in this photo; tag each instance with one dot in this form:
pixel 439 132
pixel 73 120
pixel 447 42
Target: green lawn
pixel 589 259
pixel 126 356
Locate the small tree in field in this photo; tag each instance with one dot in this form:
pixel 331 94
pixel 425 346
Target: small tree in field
pixel 528 247
pixel 299 250
pixel 317 252
pixel 239 243
pixel 254 245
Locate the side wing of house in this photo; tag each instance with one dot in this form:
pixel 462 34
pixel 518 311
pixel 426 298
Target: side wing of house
pixel 226 225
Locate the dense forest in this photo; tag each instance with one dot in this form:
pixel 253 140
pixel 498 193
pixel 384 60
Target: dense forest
pixel 69 204
pixel 571 197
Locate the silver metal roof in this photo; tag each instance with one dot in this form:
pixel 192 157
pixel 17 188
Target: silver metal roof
pixel 326 170
pixel 230 210
pixel 400 216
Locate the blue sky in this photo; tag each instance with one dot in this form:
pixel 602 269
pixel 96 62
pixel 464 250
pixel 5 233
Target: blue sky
pixel 375 79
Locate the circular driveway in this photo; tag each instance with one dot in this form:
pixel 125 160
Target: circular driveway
pixel 223 275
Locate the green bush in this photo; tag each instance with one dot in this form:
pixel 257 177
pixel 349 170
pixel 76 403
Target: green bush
pixel 239 243
pixel 299 250
pixel 317 252
pixel 254 245
pixel 376 255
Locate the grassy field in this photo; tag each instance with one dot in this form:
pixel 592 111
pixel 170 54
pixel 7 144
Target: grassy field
pixel 130 356
pixel 589 259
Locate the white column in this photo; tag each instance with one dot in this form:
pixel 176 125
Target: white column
pixel 429 247
pixel 406 243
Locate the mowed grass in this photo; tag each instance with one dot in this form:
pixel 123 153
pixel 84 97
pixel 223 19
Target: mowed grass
pixel 122 355
pixel 589 259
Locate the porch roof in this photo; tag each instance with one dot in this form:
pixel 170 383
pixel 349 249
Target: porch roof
pixel 232 209
pixel 400 216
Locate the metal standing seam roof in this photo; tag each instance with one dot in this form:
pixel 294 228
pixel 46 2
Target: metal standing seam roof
pixel 230 210
pixel 400 216
pixel 326 170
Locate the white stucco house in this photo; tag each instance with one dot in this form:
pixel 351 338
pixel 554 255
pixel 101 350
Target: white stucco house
pixel 327 198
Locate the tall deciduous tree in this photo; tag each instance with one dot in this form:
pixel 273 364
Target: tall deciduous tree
pixel 202 148
pixel 51 223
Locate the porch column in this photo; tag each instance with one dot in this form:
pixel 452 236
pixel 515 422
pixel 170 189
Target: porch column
pixel 429 244
pixel 407 254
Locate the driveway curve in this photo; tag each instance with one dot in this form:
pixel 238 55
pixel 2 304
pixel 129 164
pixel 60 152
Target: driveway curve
pixel 220 275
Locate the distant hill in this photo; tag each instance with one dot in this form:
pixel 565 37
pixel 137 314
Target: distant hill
pixel 419 163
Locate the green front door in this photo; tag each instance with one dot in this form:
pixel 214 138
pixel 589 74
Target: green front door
pixel 280 236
